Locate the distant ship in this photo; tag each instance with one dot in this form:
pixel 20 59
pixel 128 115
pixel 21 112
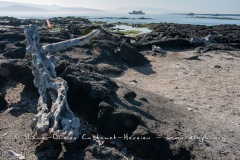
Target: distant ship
pixel 137 12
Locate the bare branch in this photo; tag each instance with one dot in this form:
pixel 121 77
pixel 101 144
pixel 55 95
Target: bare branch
pixel 51 48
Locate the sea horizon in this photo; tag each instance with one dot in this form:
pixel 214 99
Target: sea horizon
pixel 178 18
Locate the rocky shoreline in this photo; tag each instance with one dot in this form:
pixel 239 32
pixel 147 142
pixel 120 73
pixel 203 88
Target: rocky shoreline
pixel 110 109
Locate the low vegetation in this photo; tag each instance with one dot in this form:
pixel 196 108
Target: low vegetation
pixel 131 32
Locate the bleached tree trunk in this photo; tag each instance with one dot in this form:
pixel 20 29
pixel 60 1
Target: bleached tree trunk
pixel 51 48
pixel 54 116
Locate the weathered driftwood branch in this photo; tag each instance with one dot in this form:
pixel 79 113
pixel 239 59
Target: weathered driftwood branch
pixel 51 48
pixel 54 115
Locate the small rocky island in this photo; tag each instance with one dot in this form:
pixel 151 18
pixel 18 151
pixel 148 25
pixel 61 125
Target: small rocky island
pixel 172 93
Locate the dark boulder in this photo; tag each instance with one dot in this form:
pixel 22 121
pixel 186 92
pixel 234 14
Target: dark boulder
pixel 173 42
pixel 107 45
pixel 12 51
pixel 102 152
pixel 48 149
pixel 118 123
pixel 151 148
pixel 17 69
pixel 87 89
pixel 130 55
pixel 109 69
pixel 97 85
pixel 14 35
pixel 10 21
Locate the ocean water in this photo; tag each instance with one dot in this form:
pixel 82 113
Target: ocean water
pixel 154 18
pixel 125 27
pixel 168 18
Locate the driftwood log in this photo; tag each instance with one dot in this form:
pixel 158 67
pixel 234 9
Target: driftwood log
pixel 54 116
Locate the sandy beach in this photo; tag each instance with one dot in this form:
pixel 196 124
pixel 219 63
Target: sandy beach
pixel 207 90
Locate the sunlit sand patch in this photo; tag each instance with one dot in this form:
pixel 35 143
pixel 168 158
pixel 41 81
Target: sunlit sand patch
pixel 13 94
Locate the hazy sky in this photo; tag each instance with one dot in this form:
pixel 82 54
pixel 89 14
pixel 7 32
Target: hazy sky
pixel 196 6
